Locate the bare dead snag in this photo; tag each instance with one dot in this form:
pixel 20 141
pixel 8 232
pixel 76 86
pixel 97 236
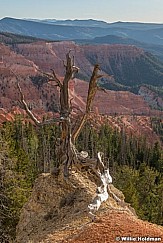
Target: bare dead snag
pixel 66 152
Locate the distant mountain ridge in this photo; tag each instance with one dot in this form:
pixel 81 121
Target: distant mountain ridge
pixel 114 39
pixel 75 22
pixel 109 39
pixel 83 29
pixel 98 23
pixel 48 31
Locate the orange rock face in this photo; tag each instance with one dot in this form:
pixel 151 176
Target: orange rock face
pixel 11 62
pixel 25 61
pixel 114 227
pixel 52 55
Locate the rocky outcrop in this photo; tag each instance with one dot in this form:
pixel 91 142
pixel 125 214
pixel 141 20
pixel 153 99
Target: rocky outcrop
pixel 116 102
pixel 58 212
pixel 128 64
pixel 151 97
pixel 10 61
pixel 52 55
pixel 45 56
pixel 43 96
pixel 58 207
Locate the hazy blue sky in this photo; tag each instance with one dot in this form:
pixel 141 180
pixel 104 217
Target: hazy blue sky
pixel 108 10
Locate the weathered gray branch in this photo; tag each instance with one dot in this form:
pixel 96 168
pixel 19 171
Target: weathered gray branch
pixel 90 97
pixel 30 114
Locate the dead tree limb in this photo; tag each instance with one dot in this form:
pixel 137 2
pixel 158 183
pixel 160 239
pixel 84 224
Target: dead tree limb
pixel 66 152
pixel 30 114
pixel 90 97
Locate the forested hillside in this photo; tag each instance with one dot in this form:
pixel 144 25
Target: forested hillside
pixel 26 152
pixel 11 39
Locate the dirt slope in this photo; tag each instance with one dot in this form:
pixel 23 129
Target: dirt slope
pixel 58 212
pixel 113 226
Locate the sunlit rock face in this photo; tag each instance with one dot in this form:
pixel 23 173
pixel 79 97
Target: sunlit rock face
pixel 24 60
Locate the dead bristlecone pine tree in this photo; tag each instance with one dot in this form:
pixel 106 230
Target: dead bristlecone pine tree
pixel 66 152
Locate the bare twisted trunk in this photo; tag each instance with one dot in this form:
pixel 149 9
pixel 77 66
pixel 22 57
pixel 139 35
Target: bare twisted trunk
pixel 67 154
